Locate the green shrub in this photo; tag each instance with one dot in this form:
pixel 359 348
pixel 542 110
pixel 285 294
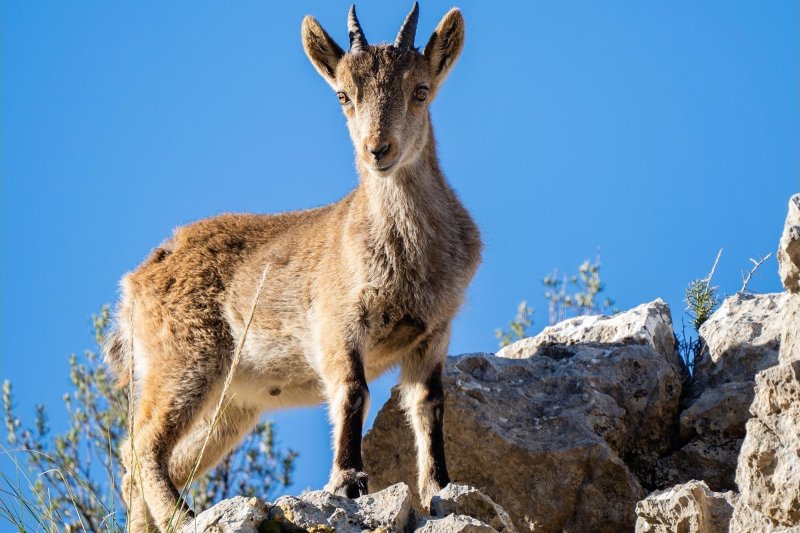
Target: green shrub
pixel 70 480
pixel 567 295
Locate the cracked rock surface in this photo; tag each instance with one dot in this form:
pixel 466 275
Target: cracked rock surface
pixel 742 338
pixel 689 508
pixel 565 438
pixel 768 472
pixel 461 509
pixel 748 336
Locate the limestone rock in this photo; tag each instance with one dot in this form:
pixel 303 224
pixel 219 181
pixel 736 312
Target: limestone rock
pixel 560 440
pixel 236 515
pixel 768 473
pixel 689 508
pixel 789 247
pixel 453 524
pixel 711 433
pixel 388 510
pixel 790 340
pixel 718 411
pixel 746 519
pixel 649 323
pixel 466 500
pixel 742 337
pixel 789 267
pixel 385 511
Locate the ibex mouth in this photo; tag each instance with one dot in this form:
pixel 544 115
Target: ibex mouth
pixel 383 170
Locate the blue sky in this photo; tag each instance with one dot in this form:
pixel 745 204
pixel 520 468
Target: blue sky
pixel 658 132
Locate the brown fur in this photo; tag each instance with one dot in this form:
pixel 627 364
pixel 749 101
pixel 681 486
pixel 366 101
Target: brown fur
pixel 353 289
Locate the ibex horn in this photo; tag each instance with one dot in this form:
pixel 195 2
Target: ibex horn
pixel 405 38
pixel 357 39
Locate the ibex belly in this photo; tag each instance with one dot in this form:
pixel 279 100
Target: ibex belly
pixel 274 373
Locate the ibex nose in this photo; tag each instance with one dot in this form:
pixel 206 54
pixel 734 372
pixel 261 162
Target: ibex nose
pixel 378 150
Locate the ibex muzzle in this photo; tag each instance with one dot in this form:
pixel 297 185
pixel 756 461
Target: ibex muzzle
pixel 353 288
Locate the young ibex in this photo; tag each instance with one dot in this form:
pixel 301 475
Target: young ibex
pixel 352 289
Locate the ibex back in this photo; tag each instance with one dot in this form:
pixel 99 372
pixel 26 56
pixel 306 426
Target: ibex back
pixel 353 289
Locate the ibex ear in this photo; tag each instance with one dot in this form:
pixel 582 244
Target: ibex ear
pixel 444 46
pixel 321 49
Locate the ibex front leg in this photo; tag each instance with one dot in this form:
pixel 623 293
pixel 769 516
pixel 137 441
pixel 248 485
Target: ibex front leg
pixel 423 400
pixel 348 399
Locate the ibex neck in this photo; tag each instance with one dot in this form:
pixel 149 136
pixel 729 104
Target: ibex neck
pixel 407 213
pixel 416 190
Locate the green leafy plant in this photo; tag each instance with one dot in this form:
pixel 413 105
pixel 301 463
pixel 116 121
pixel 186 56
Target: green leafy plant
pixel 517 328
pixel 70 480
pixel 702 299
pixel 566 295
pixel 583 299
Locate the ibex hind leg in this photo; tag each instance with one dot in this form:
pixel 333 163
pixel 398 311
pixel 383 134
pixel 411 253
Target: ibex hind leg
pixel 138 517
pixel 170 403
pixel 234 423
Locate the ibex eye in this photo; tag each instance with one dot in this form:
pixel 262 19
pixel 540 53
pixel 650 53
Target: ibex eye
pixel 421 93
pixel 343 98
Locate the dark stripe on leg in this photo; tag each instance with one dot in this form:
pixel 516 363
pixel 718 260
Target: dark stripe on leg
pixel 435 399
pixel 349 445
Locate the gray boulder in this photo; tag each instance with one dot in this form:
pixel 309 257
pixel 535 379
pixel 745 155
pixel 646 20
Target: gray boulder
pixel 789 247
pixel 689 508
pixel 649 324
pixel 389 509
pixel 768 473
pixel 742 337
pixel 563 440
pixel 790 339
pixel 459 508
pixel 466 500
pixel 454 524
pixel 235 515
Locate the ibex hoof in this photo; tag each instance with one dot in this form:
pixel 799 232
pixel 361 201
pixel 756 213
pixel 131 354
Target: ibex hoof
pixel 348 483
pixel 425 497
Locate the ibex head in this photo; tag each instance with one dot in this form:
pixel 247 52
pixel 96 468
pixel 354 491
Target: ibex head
pixel 385 90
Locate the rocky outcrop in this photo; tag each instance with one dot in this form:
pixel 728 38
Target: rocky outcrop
pixel 741 338
pixel 564 439
pixel 454 524
pixel 749 334
pixel 688 508
pixel 460 509
pixel 465 500
pixel 566 431
pixel 768 473
pixel 789 248
pixel 648 324
pixel 239 515
pixel 389 509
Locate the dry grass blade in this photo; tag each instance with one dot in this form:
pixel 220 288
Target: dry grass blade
pixel 713 268
pixel 41 510
pixel 71 495
pixel 134 466
pixel 219 409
